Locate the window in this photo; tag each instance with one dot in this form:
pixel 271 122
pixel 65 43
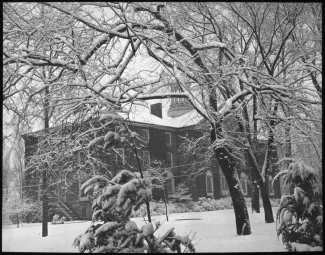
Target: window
pixel 284 188
pixel 168 138
pixel 63 195
pixel 170 183
pixel 271 188
pixel 145 135
pixel 81 179
pixel 146 158
pixel 119 157
pixel 116 129
pixel 82 195
pixel 224 185
pixel 209 183
pixel 243 182
pixel 169 159
pixel 179 100
pixel 83 211
pixel 182 100
pixel 241 162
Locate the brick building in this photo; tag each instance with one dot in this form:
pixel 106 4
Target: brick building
pixel 162 128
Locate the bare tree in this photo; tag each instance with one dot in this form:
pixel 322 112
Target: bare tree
pixel 16 205
pixel 251 61
pixel 221 56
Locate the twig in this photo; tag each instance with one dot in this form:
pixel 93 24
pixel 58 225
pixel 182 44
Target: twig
pixel 190 242
pixel 144 219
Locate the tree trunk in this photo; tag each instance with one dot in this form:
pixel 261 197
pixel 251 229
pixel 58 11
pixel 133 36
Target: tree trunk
pixel 263 183
pixel 44 177
pixel 255 189
pixel 227 165
pixel 165 201
pixel 44 208
pixel 255 194
pixel 268 213
pixel 257 175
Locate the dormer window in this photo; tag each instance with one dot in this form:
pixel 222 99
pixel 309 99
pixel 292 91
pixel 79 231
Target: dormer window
pixel 180 100
pixel 178 106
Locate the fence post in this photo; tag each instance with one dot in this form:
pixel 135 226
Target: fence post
pixel 17 220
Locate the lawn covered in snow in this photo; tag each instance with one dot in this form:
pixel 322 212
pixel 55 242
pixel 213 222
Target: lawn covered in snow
pixel 215 232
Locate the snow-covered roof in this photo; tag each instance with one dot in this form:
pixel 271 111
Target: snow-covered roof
pixel 141 113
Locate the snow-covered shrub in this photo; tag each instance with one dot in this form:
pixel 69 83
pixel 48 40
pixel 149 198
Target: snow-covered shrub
pixel 202 205
pixel 274 202
pixel 207 204
pixel 111 229
pixel 300 215
pixel 182 193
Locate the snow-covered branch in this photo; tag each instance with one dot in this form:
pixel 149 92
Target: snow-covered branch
pixel 211 45
pixel 157 96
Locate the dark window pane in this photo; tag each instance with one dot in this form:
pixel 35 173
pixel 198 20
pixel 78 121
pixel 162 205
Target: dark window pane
pixel 168 138
pixel 169 186
pixel 169 159
pixel 83 211
pixel 146 158
pixel 209 184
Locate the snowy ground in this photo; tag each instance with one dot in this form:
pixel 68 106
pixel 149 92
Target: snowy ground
pixel 215 232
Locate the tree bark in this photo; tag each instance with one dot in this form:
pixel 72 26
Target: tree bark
pixel 258 177
pixel 227 165
pixel 255 194
pixel 44 178
pixel 268 213
pixel 44 207
pixel 255 189
pixel 288 153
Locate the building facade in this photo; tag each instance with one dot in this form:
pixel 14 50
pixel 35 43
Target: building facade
pixel 163 131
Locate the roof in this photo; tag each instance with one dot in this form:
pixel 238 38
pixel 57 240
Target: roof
pixel 141 113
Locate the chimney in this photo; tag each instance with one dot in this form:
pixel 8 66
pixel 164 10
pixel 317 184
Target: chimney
pixel 156 109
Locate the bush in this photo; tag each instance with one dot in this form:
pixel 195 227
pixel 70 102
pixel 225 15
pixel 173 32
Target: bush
pixel 202 205
pixel 111 229
pixel 274 202
pixel 300 215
